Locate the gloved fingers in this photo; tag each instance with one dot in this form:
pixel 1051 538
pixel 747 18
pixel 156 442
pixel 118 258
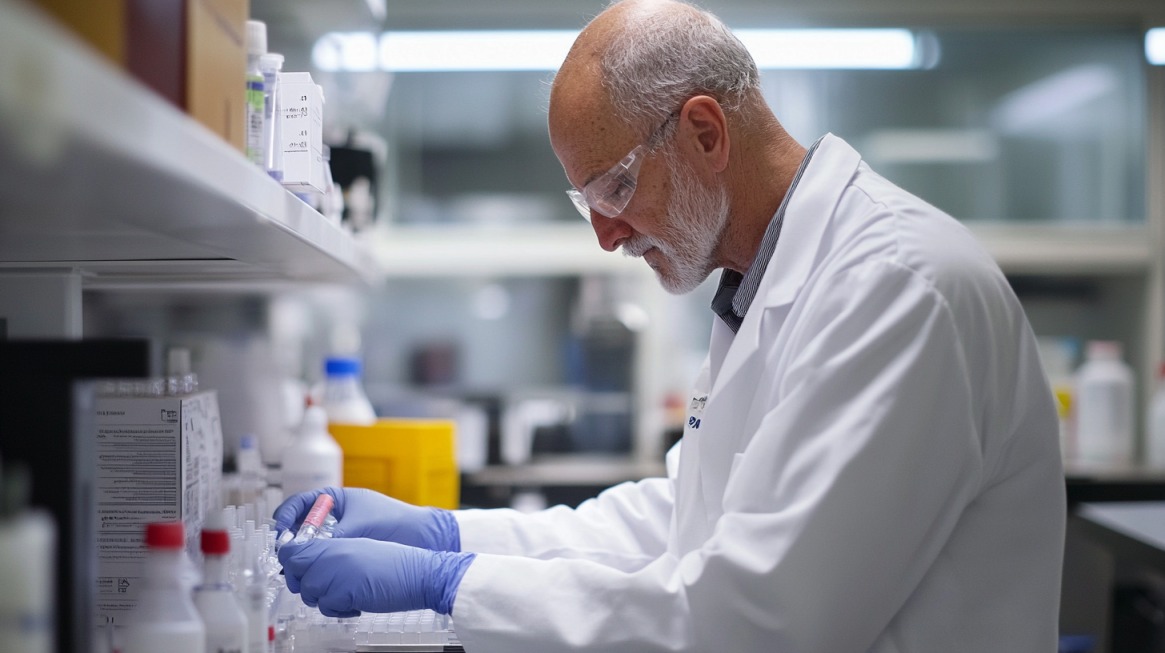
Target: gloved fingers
pixel 339 614
pixel 297 560
pixel 291 512
pixel 325 585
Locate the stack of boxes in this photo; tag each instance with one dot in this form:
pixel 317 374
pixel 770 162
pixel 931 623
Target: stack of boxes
pixel 191 52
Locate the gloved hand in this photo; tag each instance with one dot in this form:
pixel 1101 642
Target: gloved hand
pixel 345 577
pixel 364 513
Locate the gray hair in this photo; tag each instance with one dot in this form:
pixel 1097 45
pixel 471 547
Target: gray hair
pixel 658 60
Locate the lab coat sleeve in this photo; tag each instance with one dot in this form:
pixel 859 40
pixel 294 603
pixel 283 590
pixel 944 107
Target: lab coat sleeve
pixel 624 527
pixel 842 499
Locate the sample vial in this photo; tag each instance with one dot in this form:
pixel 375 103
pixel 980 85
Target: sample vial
pixel 313 523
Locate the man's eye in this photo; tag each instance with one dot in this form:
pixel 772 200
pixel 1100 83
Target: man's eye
pixel 620 188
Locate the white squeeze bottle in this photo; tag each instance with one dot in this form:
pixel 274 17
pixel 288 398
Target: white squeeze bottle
pixel 1155 424
pixel 28 540
pixel 344 398
pixel 165 618
pixel 1104 406
pixel 312 459
pixel 222 616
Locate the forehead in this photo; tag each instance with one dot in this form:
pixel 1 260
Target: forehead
pixel 586 136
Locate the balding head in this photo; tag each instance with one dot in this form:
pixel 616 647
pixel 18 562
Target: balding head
pixel 646 106
pixel 641 59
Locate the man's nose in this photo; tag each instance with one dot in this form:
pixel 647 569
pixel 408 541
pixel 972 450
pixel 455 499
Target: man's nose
pixel 611 231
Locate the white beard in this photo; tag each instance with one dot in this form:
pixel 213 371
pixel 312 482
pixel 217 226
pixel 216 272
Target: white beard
pixel 688 241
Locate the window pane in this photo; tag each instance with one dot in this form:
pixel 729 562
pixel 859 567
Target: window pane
pixel 1023 125
pixel 1031 125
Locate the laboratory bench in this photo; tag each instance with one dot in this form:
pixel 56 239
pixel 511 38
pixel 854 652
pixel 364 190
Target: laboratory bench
pixel 567 479
pixel 1114 557
pixel 1097 483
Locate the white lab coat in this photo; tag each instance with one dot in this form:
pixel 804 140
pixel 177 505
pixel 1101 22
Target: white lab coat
pixel 876 467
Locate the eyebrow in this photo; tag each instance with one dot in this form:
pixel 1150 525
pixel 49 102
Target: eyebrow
pixel 597 175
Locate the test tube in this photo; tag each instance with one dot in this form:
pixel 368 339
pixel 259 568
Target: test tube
pixel 312 523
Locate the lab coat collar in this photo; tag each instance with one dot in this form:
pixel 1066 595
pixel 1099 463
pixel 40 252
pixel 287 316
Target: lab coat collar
pixel 809 212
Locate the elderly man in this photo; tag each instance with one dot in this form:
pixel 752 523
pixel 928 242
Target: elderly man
pixel 871 458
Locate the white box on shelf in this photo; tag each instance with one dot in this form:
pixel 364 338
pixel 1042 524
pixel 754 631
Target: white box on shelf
pixel 158 459
pixel 301 112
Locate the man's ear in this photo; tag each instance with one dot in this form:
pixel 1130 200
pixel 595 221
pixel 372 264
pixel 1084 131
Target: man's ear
pixel 703 122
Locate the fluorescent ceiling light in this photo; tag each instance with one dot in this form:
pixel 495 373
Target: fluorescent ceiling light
pixel 516 50
pixel 347 51
pixel 1155 46
pixel 475 50
pixel 830 48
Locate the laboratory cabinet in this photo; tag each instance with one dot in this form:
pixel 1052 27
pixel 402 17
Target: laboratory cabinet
pixel 107 190
pixel 108 187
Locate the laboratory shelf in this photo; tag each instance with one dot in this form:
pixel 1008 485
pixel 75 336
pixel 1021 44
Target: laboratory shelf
pixel 532 249
pixel 1068 249
pixel 99 174
pixel 550 249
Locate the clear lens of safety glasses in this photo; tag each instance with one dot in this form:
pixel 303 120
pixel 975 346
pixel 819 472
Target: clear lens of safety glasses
pixel 580 203
pixel 610 193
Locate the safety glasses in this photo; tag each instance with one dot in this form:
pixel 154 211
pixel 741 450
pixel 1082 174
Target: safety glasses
pixel 609 193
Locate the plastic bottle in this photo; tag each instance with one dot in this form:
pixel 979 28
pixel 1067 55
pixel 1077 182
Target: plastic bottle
pixel 1058 355
pixel 313 459
pixel 27 556
pixel 165 618
pixel 256 48
pixel 1104 406
pixel 344 398
pixel 252 474
pixel 253 593
pixel 269 65
pixel 1155 424
pixel 222 616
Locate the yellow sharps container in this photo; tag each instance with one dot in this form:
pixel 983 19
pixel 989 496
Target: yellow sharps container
pixel 408 459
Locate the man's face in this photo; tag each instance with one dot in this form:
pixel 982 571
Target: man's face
pixel 682 248
pixel 674 219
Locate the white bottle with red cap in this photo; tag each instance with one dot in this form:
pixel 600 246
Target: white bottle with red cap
pixel 1104 406
pixel 165 618
pixel 222 616
pixel 1155 424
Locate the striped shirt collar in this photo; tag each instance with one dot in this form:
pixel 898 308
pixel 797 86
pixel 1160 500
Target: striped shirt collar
pixel 736 290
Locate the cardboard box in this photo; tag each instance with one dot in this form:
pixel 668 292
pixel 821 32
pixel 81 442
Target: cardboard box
pixel 191 52
pixel 158 459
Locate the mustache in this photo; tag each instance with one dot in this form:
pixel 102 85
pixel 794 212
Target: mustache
pixel 637 246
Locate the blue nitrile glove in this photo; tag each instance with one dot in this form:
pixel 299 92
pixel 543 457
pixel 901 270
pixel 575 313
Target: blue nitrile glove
pixel 365 513
pixel 353 575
